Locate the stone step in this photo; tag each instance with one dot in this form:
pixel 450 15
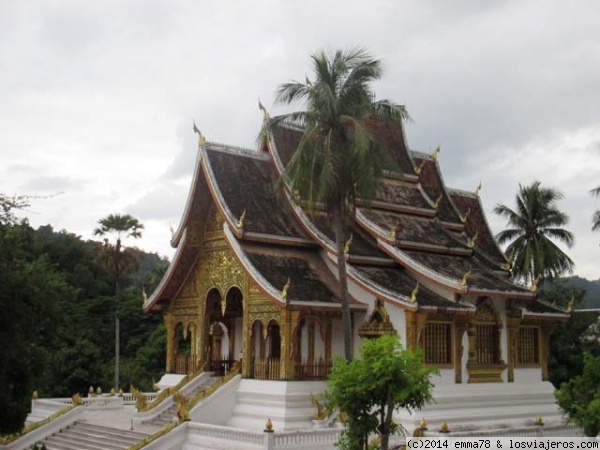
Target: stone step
pixel 86 436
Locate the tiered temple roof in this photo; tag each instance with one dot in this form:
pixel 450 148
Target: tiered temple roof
pixel 416 231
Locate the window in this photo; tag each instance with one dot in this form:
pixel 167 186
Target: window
pixel 488 350
pixel 437 345
pixel 528 346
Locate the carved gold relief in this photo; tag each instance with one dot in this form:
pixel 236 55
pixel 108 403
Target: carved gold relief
pixel 223 271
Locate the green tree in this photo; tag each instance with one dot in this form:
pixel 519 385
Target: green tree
pixel 120 227
pixel 385 378
pixel 31 290
pixel 336 159
pixel 533 225
pixel 596 216
pixel 580 397
pixel 9 204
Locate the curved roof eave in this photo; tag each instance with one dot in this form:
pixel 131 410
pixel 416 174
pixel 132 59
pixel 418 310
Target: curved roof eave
pixel 412 265
pixel 153 299
pixel 374 288
pixel 188 204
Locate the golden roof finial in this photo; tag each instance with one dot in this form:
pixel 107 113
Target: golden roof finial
pixel 534 286
pixel 436 204
pixel 478 190
pixel 435 153
pixel 464 218
pixel 201 138
pixel 266 116
pixel 471 243
pixel 172 231
pixel 505 266
pixel 413 294
pixel 423 424
pixel 393 230
pixel 419 168
pixel 144 295
pixel 465 278
pixel 240 222
pixel 569 308
pixel 285 289
pixel 347 246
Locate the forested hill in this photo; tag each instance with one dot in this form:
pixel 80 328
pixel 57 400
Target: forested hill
pixel 592 288
pixel 57 318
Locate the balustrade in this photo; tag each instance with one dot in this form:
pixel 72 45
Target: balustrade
pixel 312 370
pixel 266 369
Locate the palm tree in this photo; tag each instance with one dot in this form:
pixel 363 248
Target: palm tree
pixel 337 158
pixel 120 227
pixel 533 225
pixel 596 216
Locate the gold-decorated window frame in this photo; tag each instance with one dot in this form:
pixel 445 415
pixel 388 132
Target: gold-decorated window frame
pixel 446 342
pixel 528 346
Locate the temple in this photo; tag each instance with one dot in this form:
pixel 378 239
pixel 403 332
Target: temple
pixel 254 280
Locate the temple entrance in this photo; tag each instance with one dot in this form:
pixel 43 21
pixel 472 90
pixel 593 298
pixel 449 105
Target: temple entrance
pixel 266 350
pixel 185 348
pixel 311 360
pixel 224 329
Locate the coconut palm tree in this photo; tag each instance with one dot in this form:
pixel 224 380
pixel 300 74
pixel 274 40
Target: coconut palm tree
pixel 120 227
pixel 533 226
pixel 337 159
pixel 596 216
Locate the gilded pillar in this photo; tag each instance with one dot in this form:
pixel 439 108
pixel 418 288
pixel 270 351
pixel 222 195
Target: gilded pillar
pixel 460 329
pixel 170 367
pixel 289 320
pixel 415 324
pixel 512 328
pixel 546 334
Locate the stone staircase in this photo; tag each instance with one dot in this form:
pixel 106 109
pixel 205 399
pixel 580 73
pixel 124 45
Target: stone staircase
pixel 86 436
pixel 169 415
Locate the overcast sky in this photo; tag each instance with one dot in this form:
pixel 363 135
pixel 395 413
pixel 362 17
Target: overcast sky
pixel 97 98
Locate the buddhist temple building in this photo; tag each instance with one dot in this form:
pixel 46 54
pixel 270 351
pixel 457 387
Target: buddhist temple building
pixel 254 279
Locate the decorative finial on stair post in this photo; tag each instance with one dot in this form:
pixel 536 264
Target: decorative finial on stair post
pixel 423 424
pixel 269 426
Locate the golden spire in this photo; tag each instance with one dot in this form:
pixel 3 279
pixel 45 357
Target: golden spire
pixel 534 286
pixel 435 153
pixel 436 204
pixel 419 168
pixel 285 289
pixel 201 138
pixel 464 218
pixel 465 278
pixel 478 190
pixel 393 230
pixel 413 294
pixel 569 308
pixel 347 246
pixel 240 222
pixel 266 116
pixel 471 243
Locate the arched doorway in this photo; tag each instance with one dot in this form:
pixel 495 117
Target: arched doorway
pixel 224 321
pixel 185 348
pixel 311 356
pixel 266 348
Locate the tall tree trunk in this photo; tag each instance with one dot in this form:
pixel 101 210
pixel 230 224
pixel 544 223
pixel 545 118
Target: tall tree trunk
pixel 340 235
pixel 386 423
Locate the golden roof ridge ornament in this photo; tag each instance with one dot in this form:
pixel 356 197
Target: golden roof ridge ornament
pixel 201 138
pixel 144 295
pixel 394 230
pixel 435 153
pixel 535 285
pixel 172 231
pixel 413 294
pixel 436 204
pixel 240 222
pixel 419 168
pixel 505 266
pixel 471 243
pixel 569 308
pixel 465 278
pixel 478 190
pixel 266 116
pixel 464 218
pixel 284 291
pixel 347 246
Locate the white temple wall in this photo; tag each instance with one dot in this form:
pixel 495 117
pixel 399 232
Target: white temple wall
pixel 398 319
pixel 528 375
pixel 445 377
